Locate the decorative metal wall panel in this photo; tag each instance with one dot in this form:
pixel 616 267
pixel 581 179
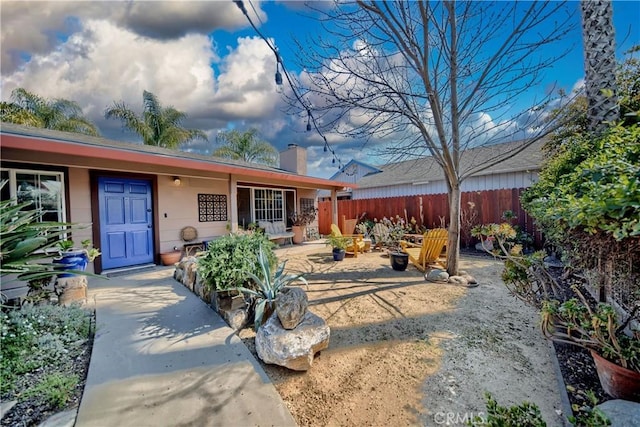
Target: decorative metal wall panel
pixel 212 207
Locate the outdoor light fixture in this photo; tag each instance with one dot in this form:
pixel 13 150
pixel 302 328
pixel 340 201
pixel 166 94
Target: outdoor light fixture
pixel 176 181
pixel 308 120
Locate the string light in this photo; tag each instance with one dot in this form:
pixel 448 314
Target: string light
pixel 278 75
pixel 278 78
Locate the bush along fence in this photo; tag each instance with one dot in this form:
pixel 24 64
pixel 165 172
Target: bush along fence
pixel 431 210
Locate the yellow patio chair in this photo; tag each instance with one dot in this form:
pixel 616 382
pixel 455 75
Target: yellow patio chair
pixel 355 243
pixel 428 253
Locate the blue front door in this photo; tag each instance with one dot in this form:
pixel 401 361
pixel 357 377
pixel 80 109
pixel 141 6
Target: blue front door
pixel 126 228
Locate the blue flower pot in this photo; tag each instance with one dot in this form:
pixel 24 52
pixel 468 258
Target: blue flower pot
pixel 338 254
pixel 72 260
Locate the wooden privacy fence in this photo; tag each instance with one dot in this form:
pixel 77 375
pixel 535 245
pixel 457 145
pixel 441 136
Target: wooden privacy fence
pixel 430 210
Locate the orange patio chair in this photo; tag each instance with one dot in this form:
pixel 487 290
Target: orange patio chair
pixel 428 253
pixel 356 243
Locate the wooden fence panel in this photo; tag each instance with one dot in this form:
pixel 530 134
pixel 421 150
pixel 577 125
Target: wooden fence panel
pixel 488 205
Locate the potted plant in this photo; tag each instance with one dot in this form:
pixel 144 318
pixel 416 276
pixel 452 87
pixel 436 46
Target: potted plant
pixel 170 258
pixel 339 245
pixel 616 354
pixel 221 267
pixel 364 228
pixel 267 287
pixel 72 259
pixel 399 259
pixel 299 221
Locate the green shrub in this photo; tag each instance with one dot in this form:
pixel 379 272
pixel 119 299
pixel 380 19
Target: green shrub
pixel 55 389
pixel 592 184
pixel 524 415
pixel 227 259
pixel 37 336
pixel 588 415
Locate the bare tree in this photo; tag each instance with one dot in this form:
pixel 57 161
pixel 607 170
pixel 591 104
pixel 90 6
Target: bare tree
pixel 434 78
pixel 599 63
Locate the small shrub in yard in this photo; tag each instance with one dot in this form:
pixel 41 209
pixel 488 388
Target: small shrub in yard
pixel 524 415
pixel 54 389
pixel 589 415
pixel 38 339
pixel 226 261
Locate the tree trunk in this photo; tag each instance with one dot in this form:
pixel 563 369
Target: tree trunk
pixel 453 243
pixel 599 63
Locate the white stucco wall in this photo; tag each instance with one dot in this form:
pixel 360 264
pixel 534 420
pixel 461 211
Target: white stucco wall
pixel 178 208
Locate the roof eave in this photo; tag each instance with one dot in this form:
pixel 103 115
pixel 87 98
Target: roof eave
pixel 78 149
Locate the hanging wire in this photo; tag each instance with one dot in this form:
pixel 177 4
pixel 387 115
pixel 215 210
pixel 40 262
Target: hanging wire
pixel 278 77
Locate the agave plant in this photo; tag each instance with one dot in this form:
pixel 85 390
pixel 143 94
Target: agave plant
pixel 268 286
pixel 25 241
pixel 27 244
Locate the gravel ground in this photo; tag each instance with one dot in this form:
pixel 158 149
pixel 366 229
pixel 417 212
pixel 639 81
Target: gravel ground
pixel 404 351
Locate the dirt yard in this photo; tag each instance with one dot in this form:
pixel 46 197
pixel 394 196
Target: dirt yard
pixel 404 351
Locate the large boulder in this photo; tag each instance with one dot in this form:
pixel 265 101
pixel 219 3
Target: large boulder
pixel 291 305
pixel 295 348
pixel 621 413
pixel 485 245
pixel 437 276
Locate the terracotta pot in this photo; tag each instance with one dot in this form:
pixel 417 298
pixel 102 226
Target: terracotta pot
pixel 170 258
pixel 617 382
pixel 298 234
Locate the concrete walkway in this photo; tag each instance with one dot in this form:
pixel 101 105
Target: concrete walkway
pixel 162 357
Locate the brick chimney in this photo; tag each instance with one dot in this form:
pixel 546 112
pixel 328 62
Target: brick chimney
pixel 294 159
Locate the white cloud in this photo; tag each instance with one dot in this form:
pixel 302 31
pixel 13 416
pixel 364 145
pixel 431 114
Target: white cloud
pixel 38 27
pixel 99 52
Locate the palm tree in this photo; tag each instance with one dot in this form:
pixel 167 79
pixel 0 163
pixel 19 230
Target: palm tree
pixel 157 125
pixel 246 146
pixel 29 109
pixel 599 62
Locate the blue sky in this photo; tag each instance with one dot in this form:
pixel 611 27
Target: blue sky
pixel 201 57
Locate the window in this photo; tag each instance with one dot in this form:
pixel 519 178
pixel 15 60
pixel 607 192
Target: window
pixel 268 204
pixel 264 204
pixel 307 204
pixel 42 190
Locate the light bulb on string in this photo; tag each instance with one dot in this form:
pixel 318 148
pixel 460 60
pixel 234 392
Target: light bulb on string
pixel 325 148
pixel 308 120
pixel 278 75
